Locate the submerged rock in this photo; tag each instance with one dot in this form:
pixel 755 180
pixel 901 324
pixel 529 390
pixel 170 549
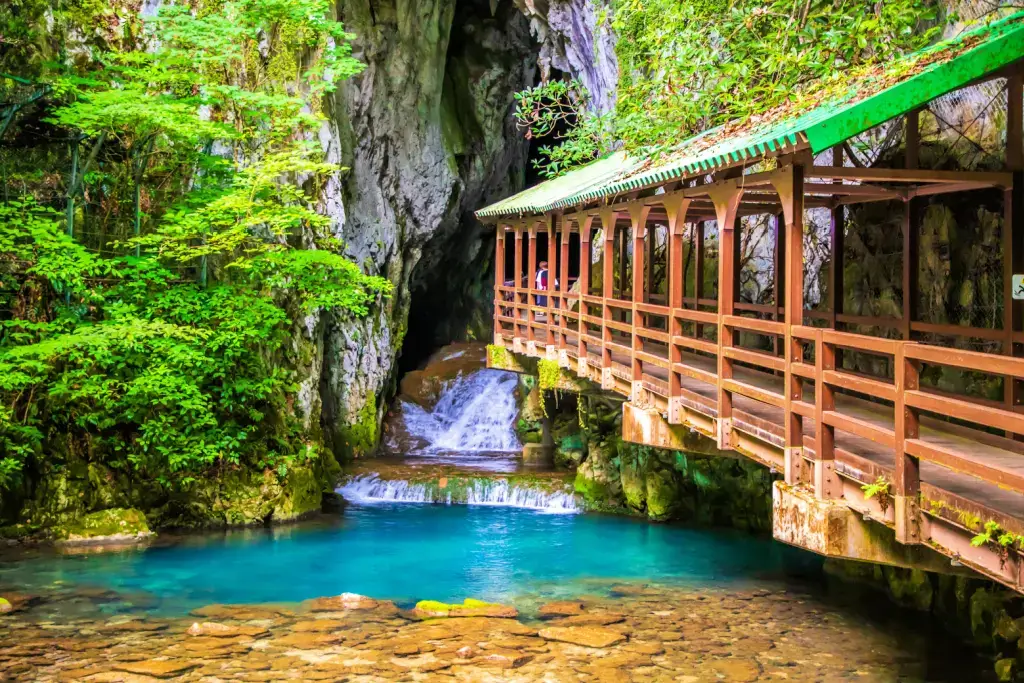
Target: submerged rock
pixel 587 636
pixel 213 629
pixel 560 608
pixel 468 608
pixel 348 601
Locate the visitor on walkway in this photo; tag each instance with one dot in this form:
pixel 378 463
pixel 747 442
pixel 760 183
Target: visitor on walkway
pixel 542 283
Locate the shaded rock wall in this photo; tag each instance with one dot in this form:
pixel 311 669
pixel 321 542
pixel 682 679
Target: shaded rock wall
pixel 428 135
pixel 662 485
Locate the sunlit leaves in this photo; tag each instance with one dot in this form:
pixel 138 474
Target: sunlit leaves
pixel 686 67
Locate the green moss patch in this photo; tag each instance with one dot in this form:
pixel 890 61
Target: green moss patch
pixel 118 522
pixel 469 608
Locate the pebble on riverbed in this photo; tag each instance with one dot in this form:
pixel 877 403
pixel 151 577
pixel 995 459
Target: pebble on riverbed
pixel 644 635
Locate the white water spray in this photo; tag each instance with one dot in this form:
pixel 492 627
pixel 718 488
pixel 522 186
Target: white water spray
pixel 370 488
pixel 476 412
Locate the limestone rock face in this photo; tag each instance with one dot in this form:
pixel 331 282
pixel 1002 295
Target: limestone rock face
pixel 574 41
pixel 427 133
pixel 598 478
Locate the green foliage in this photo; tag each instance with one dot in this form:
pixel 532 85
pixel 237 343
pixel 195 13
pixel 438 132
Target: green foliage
pixel 559 110
pixel 686 67
pixel 548 373
pixel 879 489
pixel 173 361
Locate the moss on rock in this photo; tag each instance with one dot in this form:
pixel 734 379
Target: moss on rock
pixel 116 523
pixel 598 479
pixel 663 494
pixel 469 608
pixel 360 438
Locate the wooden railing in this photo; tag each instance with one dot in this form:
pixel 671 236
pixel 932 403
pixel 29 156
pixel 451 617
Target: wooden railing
pixel 890 417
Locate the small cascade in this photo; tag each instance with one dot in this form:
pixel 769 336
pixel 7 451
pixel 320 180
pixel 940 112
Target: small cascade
pixel 370 488
pixel 476 412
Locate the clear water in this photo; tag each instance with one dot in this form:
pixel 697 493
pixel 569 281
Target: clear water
pixel 412 552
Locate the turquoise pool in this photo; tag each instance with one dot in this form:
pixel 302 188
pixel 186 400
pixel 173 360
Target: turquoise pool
pixel 408 552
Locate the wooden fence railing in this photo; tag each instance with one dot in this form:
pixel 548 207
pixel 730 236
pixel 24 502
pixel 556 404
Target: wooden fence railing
pixel 735 367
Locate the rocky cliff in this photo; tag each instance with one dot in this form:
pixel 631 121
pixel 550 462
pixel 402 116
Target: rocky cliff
pixel 428 135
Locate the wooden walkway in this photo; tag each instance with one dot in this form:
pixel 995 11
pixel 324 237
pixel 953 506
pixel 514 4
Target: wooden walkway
pixel 968 468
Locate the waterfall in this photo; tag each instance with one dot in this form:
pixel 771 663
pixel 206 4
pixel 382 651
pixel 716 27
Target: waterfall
pixel 476 412
pixel 370 488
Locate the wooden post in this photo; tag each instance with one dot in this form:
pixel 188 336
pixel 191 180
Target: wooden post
pixel 563 283
pixel 836 247
pixel 698 273
pixel 676 209
pixel 911 230
pixel 621 238
pixel 789 184
pixel 608 220
pixel 778 280
pixel 1013 229
pixel 726 197
pixel 638 224
pixel 499 281
pixel 585 255
pixel 549 299
pixel 907 484
pixel 531 299
pixel 518 284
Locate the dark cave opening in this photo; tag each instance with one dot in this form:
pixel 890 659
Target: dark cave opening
pixel 452 285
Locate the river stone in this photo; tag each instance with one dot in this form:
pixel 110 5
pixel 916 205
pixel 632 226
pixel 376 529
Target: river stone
pixel 737 670
pixel 443 629
pixel 308 641
pixel 165 668
pixel 588 636
pixel 215 630
pixel 238 612
pixel 318 625
pixel 469 608
pixel 135 625
pixel 506 659
pixel 599 619
pixel 560 608
pixel 347 601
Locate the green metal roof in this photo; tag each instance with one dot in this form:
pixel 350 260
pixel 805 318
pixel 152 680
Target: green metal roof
pixel 595 174
pixel 912 83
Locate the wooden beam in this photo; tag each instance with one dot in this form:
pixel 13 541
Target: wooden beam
pixel 911 230
pixel 1013 229
pixel 638 227
pixel 900 175
pixel 608 220
pixel 789 185
pixel 726 195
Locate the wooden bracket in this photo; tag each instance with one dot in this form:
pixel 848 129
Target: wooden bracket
pixel 676 208
pixel 726 196
pixel 638 218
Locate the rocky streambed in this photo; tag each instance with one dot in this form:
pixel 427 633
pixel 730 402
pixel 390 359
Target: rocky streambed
pixel 624 632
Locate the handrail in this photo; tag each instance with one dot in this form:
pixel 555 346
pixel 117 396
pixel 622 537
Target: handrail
pixel 965 360
pixel 653 309
pixel 703 317
pixel 770 327
pixel 860 342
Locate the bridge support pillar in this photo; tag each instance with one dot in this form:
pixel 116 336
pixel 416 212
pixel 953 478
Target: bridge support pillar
pixel 908 519
pixel 832 529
